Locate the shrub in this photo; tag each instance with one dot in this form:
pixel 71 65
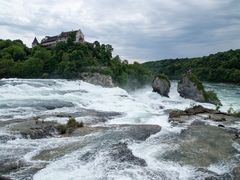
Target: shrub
pixel 71 124
pixel 195 81
pixel 211 96
pixel 62 129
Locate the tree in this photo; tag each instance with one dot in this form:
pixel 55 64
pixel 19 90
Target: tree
pixel 33 68
pixel 6 68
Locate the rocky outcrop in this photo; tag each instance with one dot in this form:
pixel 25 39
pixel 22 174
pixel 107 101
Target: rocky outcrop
pixel 97 79
pixel 161 85
pixel 190 111
pixel 106 135
pixel 181 116
pixel 187 88
pixel 191 88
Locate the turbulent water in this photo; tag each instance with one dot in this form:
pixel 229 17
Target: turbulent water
pixel 87 157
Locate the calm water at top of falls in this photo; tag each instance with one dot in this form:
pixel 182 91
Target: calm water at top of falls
pixel 22 98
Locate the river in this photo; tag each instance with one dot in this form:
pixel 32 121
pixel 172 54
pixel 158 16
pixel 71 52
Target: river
pixel 87 157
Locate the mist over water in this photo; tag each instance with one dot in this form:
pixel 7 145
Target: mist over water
pixel 88 157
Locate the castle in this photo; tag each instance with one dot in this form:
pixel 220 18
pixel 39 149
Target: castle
pixel 50 41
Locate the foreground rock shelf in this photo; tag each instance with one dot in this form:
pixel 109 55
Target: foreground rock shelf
pixel 101 138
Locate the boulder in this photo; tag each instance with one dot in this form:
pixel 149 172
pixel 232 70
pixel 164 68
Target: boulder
pixel 97 79
pixel 187 88
pixel 191 88
pixel 161 85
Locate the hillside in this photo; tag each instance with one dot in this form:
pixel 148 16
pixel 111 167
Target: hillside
pixel 68 60
pixel 219 67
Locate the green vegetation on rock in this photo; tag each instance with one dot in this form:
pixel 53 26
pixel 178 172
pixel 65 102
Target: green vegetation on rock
pixel 219 67
pixel 68 60
pixel 163 76
pixel 211 96
pixel 193 78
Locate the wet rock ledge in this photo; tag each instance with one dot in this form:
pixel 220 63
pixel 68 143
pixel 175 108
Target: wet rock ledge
pixel 181 116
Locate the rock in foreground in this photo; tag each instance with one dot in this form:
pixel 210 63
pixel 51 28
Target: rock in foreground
pixel 161 85
pixel 202 145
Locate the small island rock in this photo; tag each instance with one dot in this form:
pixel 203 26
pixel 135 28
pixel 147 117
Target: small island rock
pixel 191 88
pixel 161 85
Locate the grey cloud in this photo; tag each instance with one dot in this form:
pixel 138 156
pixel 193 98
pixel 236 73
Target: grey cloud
pixel 137 29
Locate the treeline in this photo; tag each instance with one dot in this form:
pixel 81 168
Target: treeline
pixel 219 67
pixel 68 60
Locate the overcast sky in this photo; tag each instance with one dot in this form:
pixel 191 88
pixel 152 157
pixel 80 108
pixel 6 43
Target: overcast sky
pixel 137 29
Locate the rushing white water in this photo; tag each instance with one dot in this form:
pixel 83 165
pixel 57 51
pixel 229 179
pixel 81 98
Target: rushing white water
pixel 21 99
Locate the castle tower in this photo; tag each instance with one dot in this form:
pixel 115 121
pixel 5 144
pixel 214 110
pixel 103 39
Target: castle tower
pixel 35 42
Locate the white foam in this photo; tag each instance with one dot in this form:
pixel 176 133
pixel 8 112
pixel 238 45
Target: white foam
pixel 138 107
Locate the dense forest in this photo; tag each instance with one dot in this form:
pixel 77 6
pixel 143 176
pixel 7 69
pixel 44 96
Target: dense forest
pixel 219 67
pixel 67 60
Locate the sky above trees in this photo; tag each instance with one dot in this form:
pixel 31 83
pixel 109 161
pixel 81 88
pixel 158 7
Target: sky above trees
pixel 137 29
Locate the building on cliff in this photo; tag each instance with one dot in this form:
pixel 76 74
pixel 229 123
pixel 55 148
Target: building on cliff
pixel 50 41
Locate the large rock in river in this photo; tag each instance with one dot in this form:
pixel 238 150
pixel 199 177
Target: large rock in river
pixel 97 79
pixel 161 85
pixel 188 88
pixel 191 88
